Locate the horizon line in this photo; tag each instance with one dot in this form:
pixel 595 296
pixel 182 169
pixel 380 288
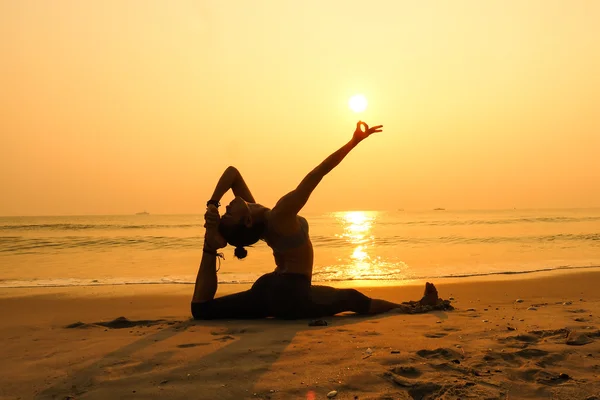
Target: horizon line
pixel 439 210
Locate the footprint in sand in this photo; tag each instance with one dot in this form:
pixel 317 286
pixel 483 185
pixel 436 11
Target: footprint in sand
pixel 519 341
pixel 496 359
pixel 577 311
pixel 409 372
pixel 225 338
pixel 429 389
pixel 522 357
pixel 581 319
pixel 551 359
pixel 369 333
pixel 436 335
pixel 233 331
pixel 534 337
pixel 519 358
pixel 531 353
pixel 188 345
pixel 451 329
pixel 447 354
pixel 540 376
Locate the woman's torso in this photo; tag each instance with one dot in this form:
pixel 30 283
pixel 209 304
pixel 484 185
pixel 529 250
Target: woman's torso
pixel 293 252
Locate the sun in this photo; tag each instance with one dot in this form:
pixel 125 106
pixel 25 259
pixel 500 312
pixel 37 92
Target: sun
pixel 358 103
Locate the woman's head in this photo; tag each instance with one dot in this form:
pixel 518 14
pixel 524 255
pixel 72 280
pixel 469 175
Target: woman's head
pixel 239 228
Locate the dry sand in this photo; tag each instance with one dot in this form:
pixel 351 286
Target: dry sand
pixel 67 343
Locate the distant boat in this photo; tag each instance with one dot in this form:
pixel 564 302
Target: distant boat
pixel 439 209
pixel 143 213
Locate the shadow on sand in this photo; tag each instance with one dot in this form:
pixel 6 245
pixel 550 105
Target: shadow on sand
pixel 201 377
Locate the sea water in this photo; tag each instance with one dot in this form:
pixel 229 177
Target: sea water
pixel 348 245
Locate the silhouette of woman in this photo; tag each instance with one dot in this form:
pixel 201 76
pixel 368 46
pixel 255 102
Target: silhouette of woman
pixel 286 292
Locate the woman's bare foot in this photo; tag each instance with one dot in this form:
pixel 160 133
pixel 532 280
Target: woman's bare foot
pixel 429 302
pixel 430 297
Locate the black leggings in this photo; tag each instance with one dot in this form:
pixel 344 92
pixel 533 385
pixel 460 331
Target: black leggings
pixel 285 296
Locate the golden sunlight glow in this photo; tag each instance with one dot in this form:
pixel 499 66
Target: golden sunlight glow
pixel 359 253
pixel 361 260
pixel 357 231
pixel 139 93
pixel 358 103
pixel 357 224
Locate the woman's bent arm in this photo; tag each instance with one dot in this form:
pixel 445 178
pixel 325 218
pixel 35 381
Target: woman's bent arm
pixel 232 179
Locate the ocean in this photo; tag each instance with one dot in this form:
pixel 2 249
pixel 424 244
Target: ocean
pixel 353 245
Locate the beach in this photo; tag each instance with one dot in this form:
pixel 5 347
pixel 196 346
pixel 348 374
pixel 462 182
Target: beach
pixel 510 337
pixel 380 146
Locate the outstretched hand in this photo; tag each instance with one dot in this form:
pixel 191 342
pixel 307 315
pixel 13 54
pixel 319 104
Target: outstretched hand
pixel 360 135
pixel 212 237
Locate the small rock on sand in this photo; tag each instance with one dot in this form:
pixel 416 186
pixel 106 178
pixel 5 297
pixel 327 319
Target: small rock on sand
pixel 332 394
pixel 518 300
pixel 471 309
pixel 532 309
pixel 451 298
pixel 578 339
pixel 395 352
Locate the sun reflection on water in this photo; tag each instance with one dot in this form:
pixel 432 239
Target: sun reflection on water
pixel 357 230
pixel 357 226
pixel 363 259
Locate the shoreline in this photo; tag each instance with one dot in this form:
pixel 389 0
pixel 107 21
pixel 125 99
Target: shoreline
pixel 229 287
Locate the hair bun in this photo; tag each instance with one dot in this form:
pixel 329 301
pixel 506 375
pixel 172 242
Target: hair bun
pixel 240 252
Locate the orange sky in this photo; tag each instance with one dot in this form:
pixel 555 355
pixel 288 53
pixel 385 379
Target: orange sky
pixel 111 107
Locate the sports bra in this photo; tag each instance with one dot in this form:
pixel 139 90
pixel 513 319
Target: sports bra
pixel 280 243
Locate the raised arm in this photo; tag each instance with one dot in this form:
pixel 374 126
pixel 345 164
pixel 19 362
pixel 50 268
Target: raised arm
pixel 232 179
pixel 292 203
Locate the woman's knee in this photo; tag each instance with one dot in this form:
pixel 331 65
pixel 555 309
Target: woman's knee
pixel 350 294
pixel 360 303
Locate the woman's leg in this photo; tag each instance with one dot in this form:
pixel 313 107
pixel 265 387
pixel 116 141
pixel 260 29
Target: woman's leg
pixel 327 301
pixel 206 280
pixel 428 302
pixel 242 305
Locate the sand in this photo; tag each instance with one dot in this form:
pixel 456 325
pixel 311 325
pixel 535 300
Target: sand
pixel 69 343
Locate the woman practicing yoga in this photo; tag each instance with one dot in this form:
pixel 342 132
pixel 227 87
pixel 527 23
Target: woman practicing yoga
pixel 287 292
